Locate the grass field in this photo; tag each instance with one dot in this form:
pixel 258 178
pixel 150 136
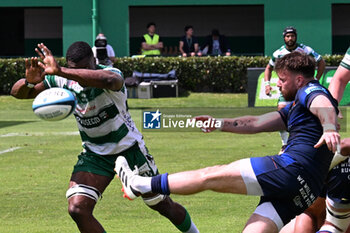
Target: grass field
pixel 37 157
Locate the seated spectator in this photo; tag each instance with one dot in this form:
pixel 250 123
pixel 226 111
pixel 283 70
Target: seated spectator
pixel 151 44
pixel 188 43
pixel 103 52
pixel 216 44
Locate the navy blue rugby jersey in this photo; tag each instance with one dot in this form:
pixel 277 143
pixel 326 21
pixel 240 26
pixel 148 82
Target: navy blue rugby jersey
pixel 338 183
pixel 305 129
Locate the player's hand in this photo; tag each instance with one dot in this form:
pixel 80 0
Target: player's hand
pixel 268 89
pixel 340 115
pixel 331 138
pixel 34 74
pixel 49 64
pixel 206 118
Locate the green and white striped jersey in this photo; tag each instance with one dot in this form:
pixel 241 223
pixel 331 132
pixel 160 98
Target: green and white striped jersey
pixel 104 122
pixel 300 48
pixel 346 60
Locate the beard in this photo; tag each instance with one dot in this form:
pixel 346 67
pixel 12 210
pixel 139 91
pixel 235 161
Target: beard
pixel 290 43
pixel 288 95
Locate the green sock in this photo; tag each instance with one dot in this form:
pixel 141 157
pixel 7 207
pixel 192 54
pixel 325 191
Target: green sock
pixel 186 224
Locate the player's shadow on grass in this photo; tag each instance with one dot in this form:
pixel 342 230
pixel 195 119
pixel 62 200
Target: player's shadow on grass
pixel 4 124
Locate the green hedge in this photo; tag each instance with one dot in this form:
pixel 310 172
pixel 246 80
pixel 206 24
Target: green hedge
pixel 205 74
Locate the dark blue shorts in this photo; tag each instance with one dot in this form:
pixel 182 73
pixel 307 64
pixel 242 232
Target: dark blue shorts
pixel 286 184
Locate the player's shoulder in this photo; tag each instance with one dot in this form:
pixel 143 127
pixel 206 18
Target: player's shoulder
pixel 311 89
pixel 305 48
pixel 279 51
pixel 346 60
pixel 313 86
pixel 109 68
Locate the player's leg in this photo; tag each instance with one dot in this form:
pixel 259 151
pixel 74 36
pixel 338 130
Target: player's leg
pixel 289 228
pixel 260 224
pixel 220 178
pixel 176 213
pixel 255 176
pixel 337 217
pixel 312 219
pixel 91 175
pixel 338 195
pixel 223 178
pixel 84 191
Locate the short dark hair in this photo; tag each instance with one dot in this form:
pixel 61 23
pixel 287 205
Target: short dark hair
pixel 188 27
pixel 78 51
pixel 150 24
pixel 297 62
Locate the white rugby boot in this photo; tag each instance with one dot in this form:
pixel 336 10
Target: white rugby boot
pixel 126 176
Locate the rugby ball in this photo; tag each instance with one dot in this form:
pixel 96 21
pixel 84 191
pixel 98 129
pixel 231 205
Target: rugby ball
pixel 54 104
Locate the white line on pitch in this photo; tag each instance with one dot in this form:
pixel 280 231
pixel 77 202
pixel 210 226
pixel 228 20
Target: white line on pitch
pixel 9 150
pixel 37 134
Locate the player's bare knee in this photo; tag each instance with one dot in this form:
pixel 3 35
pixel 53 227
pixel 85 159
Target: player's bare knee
pixel 80 206
pixel 209 173
pixel 81 200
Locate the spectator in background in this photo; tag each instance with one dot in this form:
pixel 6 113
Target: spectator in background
pixel 216 44
pixel 103 52
pixel 151 44
pixel 290 45
pixel 188 43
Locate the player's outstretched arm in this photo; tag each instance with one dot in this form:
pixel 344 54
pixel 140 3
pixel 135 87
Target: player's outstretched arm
pixel 86 77
pixel 32 85
pixel 268 122
pixel 267 78
pixel 321 65
pixel 338 83
pixel 326 113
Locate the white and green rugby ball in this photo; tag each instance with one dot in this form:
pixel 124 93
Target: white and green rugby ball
pixel 54 104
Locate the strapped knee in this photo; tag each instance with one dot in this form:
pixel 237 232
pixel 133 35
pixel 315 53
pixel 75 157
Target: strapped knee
pixel 84 190
pixel 151 201
pixel 339 219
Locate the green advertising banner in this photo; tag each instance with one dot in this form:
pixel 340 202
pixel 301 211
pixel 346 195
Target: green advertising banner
pixel 325 81
pixel 263 100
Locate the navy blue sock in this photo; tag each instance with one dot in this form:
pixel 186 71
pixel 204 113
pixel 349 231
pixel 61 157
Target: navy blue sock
pixel 159 184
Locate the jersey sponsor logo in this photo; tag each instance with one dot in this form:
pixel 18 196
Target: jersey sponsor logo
pixel 314 88
pixel 96 120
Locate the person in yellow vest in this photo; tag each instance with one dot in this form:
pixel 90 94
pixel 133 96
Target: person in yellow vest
pixel 151 44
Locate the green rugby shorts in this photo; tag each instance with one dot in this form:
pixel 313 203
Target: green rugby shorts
pixel 104 164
